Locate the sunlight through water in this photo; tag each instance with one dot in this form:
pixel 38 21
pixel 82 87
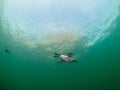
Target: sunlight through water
pixel 36 34
pixel 60 25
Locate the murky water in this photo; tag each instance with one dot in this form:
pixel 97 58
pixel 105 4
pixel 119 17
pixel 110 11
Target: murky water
pixel 32 30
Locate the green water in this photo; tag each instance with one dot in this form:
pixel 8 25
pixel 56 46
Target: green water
pixel 98 66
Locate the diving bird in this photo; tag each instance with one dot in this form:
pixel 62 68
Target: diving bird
pixel 7 50
pixel 65 58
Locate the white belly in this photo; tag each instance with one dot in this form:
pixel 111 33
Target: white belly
pixel 65 58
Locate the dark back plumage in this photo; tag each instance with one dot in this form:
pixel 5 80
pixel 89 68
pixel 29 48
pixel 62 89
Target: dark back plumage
pixel 70 54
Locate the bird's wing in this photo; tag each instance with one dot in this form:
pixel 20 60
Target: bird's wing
pixel 69 54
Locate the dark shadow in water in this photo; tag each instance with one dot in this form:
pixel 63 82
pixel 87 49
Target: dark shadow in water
pixel 2 86
pixel 7 50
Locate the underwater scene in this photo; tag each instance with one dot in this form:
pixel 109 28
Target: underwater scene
pixel 59 44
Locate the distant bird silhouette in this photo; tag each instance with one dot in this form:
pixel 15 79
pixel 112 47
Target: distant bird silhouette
pixel 7 50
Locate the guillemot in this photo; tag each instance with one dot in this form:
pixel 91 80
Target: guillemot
pixel 65 58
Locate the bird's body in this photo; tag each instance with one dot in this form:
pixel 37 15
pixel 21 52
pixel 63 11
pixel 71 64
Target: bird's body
pixel 65 58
